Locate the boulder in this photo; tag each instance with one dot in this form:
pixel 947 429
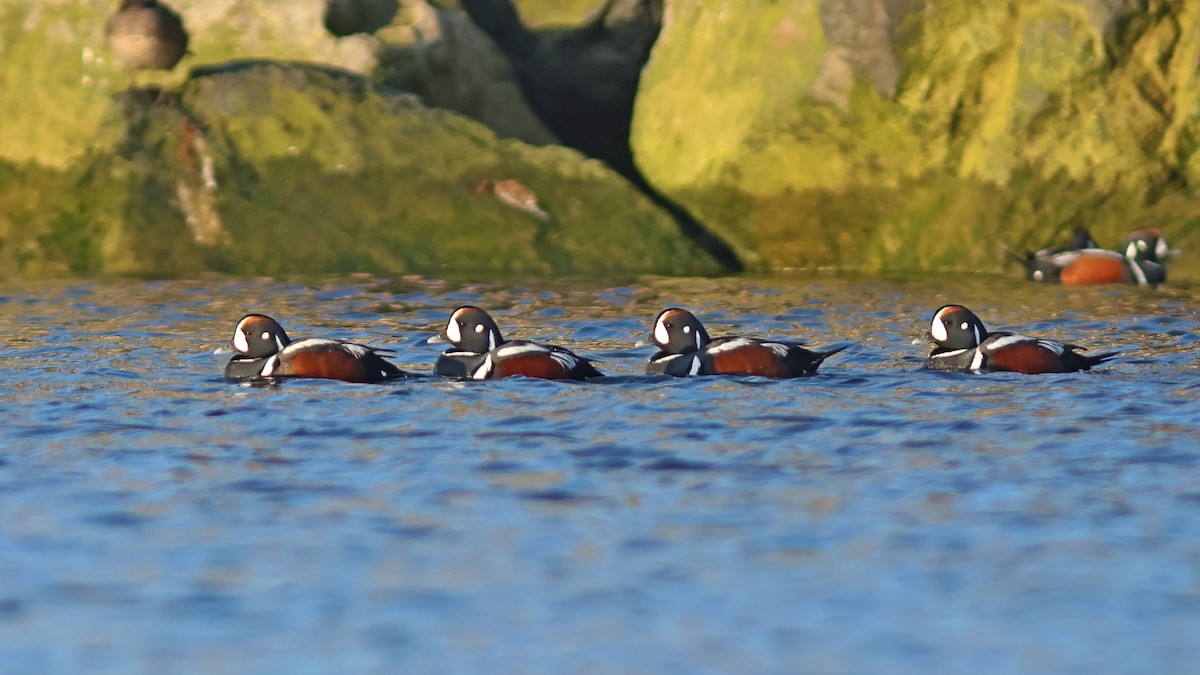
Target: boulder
pixel 906 135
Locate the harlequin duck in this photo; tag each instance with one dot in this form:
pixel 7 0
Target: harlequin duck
pixel 263 350
pixel 963 344
pixel 1139 262
pixel 1146 250
pixel 480 353
pixel 1040 265
pixel 1080 239
pixel 685 348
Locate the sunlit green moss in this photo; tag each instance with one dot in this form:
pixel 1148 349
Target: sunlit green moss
pixel 717 75
pixel 273 169
pixel 53 81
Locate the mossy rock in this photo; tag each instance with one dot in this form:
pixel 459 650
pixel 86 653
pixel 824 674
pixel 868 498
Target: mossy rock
pixel 265 168
pixel 56 74
pixel 912 136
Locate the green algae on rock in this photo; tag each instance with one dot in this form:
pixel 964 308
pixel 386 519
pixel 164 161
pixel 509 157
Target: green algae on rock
pixel 267 168
pixel 922 135
pixel 57 74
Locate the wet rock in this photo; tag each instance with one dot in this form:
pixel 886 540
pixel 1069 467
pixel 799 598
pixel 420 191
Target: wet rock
pixel 267 168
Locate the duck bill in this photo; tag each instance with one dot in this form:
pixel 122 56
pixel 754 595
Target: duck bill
pixel 645 340
pixel 923 339
pixel 437 339
pixel 226 348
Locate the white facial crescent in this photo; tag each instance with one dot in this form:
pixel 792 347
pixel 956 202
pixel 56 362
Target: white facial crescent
pixel 453 334
pixel 938 331
pixel 661 335
pixel 239 341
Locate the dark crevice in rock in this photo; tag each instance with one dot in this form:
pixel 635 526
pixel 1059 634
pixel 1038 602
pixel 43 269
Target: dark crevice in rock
pixel 582 83
pixel 347 17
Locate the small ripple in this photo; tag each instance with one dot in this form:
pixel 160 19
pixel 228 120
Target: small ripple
pixel 555 495
pixel 322 432
pixel 204 603
pixel 517 435
pixel 269 487
pixel 1164 456
pixel 117 519
pixel 501 467
pixel 674 463
pixel 12 609
pixel 402 529
pixel 605 451
pixel 87 593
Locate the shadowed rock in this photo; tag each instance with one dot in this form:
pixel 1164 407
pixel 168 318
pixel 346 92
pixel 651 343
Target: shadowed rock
pixel 347 17
pixel 440 55
pixel 581 82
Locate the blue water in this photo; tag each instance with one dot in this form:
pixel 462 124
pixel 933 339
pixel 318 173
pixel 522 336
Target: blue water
pixel 874 518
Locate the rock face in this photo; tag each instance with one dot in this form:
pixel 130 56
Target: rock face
pixel 909 134
pixel 447 60
pixel 58 74
pixel 858 134
pixel 260 167
pixel 581 82
pixel 266 168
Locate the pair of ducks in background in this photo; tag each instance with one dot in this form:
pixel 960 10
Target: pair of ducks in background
pixel 263 351
pixel 1081 261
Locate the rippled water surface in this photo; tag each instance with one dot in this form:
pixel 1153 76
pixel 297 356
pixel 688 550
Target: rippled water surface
pixel 874 518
